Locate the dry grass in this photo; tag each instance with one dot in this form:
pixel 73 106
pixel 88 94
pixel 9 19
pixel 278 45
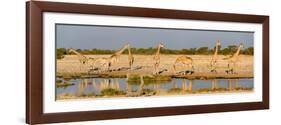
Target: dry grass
pixel 70 65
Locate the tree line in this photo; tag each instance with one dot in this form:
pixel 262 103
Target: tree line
pixel 229 50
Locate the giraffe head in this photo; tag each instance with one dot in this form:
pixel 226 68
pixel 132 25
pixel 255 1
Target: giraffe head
pixel 241 45
pixel 218 43
pixel 127 45
pixel 161 45
pixel 71 50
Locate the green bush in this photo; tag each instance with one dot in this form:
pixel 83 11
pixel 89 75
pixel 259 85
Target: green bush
pixel 111 92
pixel 149 80
pixel 60 53
pixel 231 49
pixel 174 90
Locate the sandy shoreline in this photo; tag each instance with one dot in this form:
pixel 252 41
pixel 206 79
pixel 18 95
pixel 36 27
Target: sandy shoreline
pixel 181 93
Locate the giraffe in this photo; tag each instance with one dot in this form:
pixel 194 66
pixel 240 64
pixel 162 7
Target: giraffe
pixel 214 59
pixel 141 87
pixel 81 87
pixel 130 58
pixel 214 84
pixel 233 60
pixel 115 57
pixel 185 61
pixel 106 62
pixel 83 60
pixel 156 58
pixel 190 88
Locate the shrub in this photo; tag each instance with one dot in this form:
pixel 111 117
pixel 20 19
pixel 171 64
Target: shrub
pixel 111 92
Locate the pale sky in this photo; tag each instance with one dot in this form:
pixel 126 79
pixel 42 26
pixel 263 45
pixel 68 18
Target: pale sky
pixel 108 37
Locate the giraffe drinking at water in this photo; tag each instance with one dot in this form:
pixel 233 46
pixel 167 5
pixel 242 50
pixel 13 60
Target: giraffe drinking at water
pixel 232 61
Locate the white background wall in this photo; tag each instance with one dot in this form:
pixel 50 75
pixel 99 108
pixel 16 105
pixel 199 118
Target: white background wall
pixel 12 61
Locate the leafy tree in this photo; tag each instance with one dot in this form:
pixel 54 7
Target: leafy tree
pixel 203 50
pixel 192 51
pixel 248 51
pixel 229 50
pixel 149 51
pixel 60 53
pixel 232 48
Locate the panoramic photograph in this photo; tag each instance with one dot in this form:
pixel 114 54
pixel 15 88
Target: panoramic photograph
pixel 95 61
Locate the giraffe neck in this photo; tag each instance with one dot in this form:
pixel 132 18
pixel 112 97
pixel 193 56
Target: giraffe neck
pixel 216 50
pixel 158 51
pixel 129 51
pixel 79 55
pixel 120 51
pixel 238 51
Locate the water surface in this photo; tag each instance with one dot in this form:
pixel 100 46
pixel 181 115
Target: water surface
pixel 94 86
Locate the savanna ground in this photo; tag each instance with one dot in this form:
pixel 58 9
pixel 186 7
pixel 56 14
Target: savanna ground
pixel 143 65
pixel 69 68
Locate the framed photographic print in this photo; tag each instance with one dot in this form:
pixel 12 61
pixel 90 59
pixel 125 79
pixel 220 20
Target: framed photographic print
pixel 95 62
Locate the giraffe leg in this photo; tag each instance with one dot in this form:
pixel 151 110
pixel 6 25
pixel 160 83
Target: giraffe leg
pixel 228 70
pixel 88 68
pixel 214 67
pixel 131 64
pixel 104 67
pixel 185 67
pixel 190 68
pixel 232 68
pixel 80 67
pixel 156 68
pixel 174 68
pixel 108 66
pixel 235 68
pixel 91 66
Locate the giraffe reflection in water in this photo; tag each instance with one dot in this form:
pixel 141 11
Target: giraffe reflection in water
pixel 120 87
